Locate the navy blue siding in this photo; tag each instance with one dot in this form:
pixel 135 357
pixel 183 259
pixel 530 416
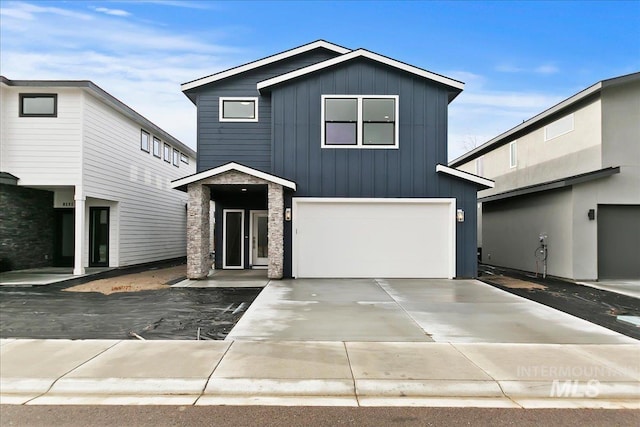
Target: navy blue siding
pixel 408 171
pixel 246 143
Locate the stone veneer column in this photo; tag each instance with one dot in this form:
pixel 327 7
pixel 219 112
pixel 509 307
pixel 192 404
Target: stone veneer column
pixel 276 231
pixel 198 261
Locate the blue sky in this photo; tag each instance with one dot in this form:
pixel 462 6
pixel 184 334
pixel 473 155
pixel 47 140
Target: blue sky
pixel 516 58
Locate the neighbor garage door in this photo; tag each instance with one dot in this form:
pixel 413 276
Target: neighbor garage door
pixel 618 241
pixel 374 238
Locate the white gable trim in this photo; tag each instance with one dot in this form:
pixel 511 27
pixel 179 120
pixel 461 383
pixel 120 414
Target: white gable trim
pixel 265 61
pixel 357 54
pixel 466 176
pixel 229 167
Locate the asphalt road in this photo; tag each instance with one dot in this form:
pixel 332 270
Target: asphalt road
pixel 174 313
pixel 265 416
pixel 594 305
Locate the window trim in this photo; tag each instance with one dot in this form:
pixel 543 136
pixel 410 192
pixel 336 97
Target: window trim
pixel 144 133
pixel 167 149
pixel 571 117
pixel 184 158
pixel 360 122
pixel 22 96
pixel 513 154
pixel 176 158
pixel 156 139
pixel 237 98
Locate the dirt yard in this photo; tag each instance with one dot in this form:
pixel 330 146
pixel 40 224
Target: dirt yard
pixel 514 283
pixel 147 280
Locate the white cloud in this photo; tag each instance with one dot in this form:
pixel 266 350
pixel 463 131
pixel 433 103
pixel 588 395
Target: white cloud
pixel 114 12
pixel 539 69
pixel 140 63
pixel 478 114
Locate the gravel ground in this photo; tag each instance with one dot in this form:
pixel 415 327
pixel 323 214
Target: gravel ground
pixel 122 307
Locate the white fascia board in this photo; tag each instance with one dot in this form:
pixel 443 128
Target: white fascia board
pixel 265 61
pixel 465 175
pixel 364 54
pixel 229 167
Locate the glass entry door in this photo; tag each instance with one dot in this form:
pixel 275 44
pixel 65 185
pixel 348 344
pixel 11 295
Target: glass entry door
pixel 98 237
pixel 259 238
pixel 233 239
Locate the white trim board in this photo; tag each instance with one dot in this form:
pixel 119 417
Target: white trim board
pixel 229 167
pixel 262 62
pixel 361 53
pixel 466 176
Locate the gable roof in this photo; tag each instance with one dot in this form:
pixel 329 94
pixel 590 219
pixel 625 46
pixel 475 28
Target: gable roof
pixel 508 136
pixel 110 100
pixel 181 184
pixel 264 61
pixel 455 85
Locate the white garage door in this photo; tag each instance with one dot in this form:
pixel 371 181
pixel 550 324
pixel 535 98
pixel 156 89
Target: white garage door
pixel 386 238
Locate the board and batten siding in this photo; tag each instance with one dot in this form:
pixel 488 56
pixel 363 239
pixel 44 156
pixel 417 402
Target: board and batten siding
pixel 408 171
pixel 151 215
pixel 247 143
pixel 41 150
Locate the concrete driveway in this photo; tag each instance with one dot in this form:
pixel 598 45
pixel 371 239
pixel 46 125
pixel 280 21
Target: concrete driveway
pixel 456 311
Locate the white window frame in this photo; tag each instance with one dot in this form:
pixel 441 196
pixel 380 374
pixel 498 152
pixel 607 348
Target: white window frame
pixel 237 98
pixel 359 124
pixel 513 154
pixel 480 166
pixel 224 240
pixel 568 117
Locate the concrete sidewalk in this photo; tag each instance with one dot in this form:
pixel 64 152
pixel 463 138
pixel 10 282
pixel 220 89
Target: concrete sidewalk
pixel 53 372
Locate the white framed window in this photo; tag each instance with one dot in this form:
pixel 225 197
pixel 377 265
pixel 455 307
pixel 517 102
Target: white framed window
pixel 38 105
pixel 559 127
pixel 513 154
pixel 184 158
pixel 359 121
pixel 157 146
pixel 238 109
pixel 480 166
pixel 176 158
pixel 167 153
pixel 145 140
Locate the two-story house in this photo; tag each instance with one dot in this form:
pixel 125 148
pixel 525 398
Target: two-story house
pixel 329 162
pixel 571 174
pixel 85 180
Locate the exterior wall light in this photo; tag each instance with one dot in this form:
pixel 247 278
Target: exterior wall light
pixel 591 214
pixel 460 215
pixel 287 214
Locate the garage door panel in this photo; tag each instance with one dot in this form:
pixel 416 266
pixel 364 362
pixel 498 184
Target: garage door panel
pixel 373 239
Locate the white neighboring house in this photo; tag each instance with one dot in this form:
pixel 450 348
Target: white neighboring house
pixel 103 169
pixel 571 174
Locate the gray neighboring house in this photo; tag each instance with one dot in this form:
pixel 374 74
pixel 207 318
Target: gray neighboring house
pixel 328 162
pixel 571 173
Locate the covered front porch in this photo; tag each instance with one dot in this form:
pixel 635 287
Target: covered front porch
pixel 249 220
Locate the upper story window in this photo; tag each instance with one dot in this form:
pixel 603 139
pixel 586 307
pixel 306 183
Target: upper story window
pixel 513 154
pixel 167 153
pixel 145 143
pixel 38 105
pixel 156 147
pixel 480 166
pixel 559 127
pixel 184 158
pixel 176 158
pixel 238 109
pixel 350 121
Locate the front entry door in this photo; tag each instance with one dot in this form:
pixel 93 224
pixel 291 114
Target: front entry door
pixel 259 238
pixel 98 237
pixel 233 239
pixel 64 246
